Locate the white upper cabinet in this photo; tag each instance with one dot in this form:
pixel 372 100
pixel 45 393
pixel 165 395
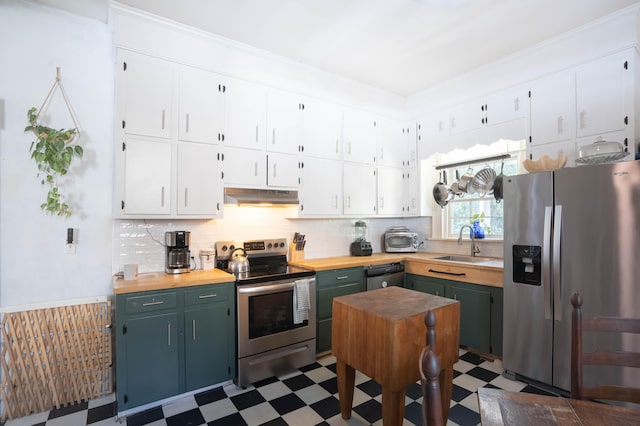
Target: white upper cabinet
pixel 504 105
pixel 284 121
pixel 391 196
pixel 321 190
pixel 244 167
pixel 245 115
pixel 199 185
pixel 603 89
pixel 409 134
pixel 147 188
pixel 466 117
pixel 359 137
pixel 283 170
pixel 200 106
pixel 392 143
pixel 359 189
pixel 411 192
pixel 322 129
pixel 145 95
pixel 552 109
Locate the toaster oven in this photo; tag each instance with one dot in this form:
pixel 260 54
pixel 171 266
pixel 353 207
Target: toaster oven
pixel 400 240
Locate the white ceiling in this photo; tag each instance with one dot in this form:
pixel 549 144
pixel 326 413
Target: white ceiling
pixel 401 46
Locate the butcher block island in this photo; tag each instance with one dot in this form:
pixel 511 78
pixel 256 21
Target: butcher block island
pixel 381 333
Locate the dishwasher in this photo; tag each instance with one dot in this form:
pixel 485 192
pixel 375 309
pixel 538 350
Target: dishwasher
pixel 386 274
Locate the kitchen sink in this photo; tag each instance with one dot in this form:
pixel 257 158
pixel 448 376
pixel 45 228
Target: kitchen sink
pixel 468 259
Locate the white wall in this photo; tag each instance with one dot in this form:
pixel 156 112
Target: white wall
pixel 34 40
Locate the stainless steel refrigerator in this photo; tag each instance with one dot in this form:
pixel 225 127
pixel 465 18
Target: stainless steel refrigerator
pixel 574 229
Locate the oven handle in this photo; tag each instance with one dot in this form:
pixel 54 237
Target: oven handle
pixel 269 288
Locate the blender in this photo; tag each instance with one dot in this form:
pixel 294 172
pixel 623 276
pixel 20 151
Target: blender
pixel 360 247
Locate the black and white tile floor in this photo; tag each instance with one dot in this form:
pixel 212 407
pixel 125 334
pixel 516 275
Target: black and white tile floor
pixel 308 396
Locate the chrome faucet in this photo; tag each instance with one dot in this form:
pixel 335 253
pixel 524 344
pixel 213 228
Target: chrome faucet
pixel 474 248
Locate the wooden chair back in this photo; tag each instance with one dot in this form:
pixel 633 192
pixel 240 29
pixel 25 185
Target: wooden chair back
pixel 579 358
pixel 429 366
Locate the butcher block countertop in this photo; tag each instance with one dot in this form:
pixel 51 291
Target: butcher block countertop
pixel 488 272
pixel 162 281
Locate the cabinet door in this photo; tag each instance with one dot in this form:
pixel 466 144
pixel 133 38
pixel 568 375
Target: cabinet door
pixel 359 137
pixel 553 150
pixel 425 285
pixel 601 87
pixel 475 315
pixel 321 192
pixel 551 109
pixel 199 189
pixel 147 177
pixel 244 167
pixel 283 171
pixel 466 117
pixel 411 192
pixel 392 142
pixel 359 189
pixel 245 115
pixel 505 105
pixel 284 122
pixel 409 134
pixel 391 199
pixel 147 88
pixel 322 129
pixel 151 363
pixel 200 106
pixel 207 332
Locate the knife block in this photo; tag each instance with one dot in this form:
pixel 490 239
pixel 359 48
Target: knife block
pixel 294 253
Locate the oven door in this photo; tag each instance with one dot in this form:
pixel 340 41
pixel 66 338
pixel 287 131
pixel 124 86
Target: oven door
pixel 265 317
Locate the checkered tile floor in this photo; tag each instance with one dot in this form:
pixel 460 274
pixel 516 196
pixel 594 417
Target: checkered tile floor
pixel 308 396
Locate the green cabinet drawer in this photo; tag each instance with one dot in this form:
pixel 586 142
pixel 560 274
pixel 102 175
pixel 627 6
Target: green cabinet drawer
pixel 207 294
pixel 338 276
pixel 326 295
pixel 150 302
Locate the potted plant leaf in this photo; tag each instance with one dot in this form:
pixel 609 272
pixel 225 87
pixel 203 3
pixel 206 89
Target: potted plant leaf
pixel 53 151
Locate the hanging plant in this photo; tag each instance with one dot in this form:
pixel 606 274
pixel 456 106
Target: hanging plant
pixel 53 152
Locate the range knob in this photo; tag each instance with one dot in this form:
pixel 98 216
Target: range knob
pixel 232 247
pixel 281 245
pixel 224 248
pixel 269 246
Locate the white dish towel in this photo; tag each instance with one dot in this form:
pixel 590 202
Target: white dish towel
pixel 301 302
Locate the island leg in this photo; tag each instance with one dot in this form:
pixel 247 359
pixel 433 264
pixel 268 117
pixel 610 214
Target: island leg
pixel 392 406
pixel 346 376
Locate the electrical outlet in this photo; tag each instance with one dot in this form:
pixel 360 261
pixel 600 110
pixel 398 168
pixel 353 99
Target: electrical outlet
pixel 70 249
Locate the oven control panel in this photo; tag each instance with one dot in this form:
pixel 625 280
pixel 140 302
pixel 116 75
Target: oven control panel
pixel 253 248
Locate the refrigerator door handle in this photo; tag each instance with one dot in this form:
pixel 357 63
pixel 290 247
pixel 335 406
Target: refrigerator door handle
pixel 546 262
pixel 557 294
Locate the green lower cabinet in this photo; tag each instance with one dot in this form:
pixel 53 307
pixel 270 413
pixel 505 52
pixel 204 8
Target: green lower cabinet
pixel 206 360
pixel 151 359
pixel 475 315
pixel 424 284
pixel 171 342
pixel 480 310
pixel 330 284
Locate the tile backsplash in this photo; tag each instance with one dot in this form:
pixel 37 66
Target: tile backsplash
pixel 142 241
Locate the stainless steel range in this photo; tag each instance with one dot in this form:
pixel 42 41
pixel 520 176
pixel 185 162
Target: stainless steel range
pixel 276 310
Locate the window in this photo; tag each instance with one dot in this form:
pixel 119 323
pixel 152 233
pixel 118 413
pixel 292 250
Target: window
pixel 467 208
pixel 463 210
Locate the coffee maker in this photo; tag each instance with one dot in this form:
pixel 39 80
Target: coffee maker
pixel 178 258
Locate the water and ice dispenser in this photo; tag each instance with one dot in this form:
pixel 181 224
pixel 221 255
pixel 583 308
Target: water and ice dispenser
pixel 527 264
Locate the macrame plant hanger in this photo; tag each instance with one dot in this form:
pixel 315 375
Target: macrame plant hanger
pixel 58 83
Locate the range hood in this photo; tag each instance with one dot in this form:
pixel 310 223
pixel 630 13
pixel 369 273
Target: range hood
pixel 263 197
